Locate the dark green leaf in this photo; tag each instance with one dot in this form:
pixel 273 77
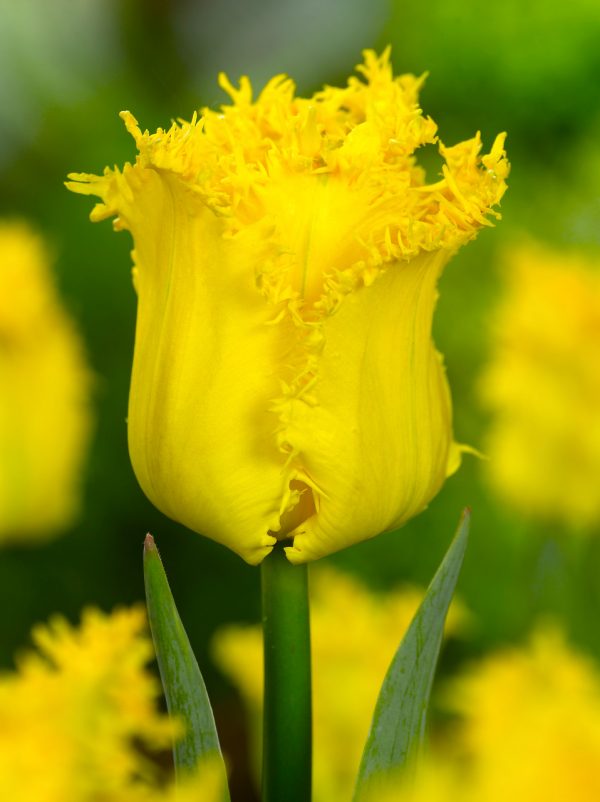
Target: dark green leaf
pixel 398 726
pixel 182 681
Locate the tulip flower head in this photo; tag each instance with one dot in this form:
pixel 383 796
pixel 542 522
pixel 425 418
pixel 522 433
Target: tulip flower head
pixel 285 384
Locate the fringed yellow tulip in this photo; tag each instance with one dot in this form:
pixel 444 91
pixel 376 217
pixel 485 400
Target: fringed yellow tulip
pixel 287 250
pixel 44 395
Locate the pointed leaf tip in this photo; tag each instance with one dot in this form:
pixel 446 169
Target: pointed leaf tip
pixel 149 544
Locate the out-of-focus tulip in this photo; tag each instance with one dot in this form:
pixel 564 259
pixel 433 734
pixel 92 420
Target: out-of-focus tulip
pixel 531 723
pixel 79 719
pixel 287 251
pixel 71 714
pixel 543 387
pixel 525 727
pixel 44 395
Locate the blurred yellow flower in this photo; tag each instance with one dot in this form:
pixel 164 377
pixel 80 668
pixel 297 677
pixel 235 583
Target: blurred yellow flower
pixel 543 386
pixel 354 636
pixel 287 251
pixel 79 718
pixel 528 730
pixel 44 395
pixel 531 723
pixel 70 716
pixel 204 785
pixel 435 780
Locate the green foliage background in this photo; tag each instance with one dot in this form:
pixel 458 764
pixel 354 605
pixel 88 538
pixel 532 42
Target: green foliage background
pixel 66 70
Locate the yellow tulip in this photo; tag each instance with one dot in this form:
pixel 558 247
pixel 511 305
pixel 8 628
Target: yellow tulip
pixel 524 725
pixel 528 724
pixel 287 250
pixel 80 719
pixel 45 416
pixel 75 714
pixel 542 385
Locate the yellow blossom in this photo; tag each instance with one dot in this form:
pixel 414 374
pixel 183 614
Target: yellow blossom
pixel 350 658
pixel 287 251
pixel 531 723
pixel 543 386
pixel 527 730
pixel 72 718
pixel 206 784
pixel 79 719
pixel 435 780
pixel 44 395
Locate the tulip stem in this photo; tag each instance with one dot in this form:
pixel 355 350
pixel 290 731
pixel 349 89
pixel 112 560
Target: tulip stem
pixel 287 717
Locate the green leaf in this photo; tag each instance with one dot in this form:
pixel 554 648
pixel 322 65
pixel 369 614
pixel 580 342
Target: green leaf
pixel 182 681
pixel 398 727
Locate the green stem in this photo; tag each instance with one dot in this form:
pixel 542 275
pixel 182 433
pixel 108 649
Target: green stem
pixel 287 717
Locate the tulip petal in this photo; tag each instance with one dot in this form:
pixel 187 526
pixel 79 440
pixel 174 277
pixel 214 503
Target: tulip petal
pixel 377 443
pixel 202 375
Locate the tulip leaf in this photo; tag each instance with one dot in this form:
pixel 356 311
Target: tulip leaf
pixel 185 692
pixel 398 727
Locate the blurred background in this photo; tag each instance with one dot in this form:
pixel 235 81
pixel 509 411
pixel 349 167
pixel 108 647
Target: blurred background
pixel 66 70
